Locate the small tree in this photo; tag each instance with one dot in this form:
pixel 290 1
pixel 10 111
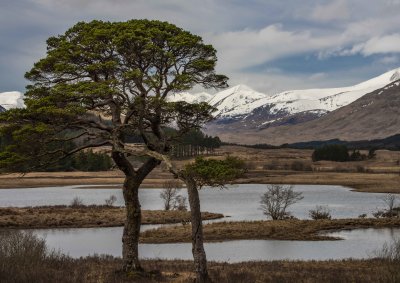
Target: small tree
pixel 169 193
pixel 205 172
pixel 390 201
pixel 276 200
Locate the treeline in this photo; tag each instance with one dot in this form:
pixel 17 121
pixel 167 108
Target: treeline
pixel 87 161
pixel 390 143
pixel 340 153
pixel 81 161
pixel 195 143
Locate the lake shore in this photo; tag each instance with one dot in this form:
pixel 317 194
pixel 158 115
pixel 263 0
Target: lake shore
pixel 363 182
pixel 86 217
pixel 380 174
pixel 307 230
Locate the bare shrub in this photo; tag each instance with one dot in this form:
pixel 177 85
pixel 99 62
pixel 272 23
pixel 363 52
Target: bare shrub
pixel 276 200
pixel 320 212
pixel 300 166
pixel 180 203
pixel 390 210
pixel 273 165
pixel 25 258
pixel 76 202
pixel 251 165
pixel 111 200
pixel 169 193
pixel 390 253
pixel 360 169
pixel 390 201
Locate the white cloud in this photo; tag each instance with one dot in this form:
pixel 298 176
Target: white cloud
pixel 383 44
pixel 246 34
pixel 336 10
pixel 388 60
pixel 246 48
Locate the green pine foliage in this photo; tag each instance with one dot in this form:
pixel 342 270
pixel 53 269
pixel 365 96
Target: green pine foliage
pixel 334 152
pixel 214 172
pixel 339 153
pixel 91 161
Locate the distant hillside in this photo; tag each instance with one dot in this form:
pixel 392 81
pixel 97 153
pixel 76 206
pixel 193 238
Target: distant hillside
pixel 2 109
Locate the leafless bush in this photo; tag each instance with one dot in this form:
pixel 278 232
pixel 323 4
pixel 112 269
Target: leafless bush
pixel 390 201
pixel 276 200
pixel 111 200
pixel 274 165
pixel 25 258
pixel 300 166
pixel 251 165
pixel 76 202
pixel 320 212
pixel 390 210
pixel 390 253
pixel 169 193
pixel 180 203
pixel 360 169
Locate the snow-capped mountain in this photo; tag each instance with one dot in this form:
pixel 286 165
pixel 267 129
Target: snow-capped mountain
pixel 190 98
pixel 11 99
pixel 255 109
pixel 375 115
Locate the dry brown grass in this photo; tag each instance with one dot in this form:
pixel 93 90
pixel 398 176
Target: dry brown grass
pixel 25 258
pixel 279 230
pixel 380 174
pixel 86 216
pixel 107 269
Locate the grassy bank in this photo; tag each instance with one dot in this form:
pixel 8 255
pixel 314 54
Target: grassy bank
pixel 107 270
pixel 309 230
pixel 26 258
pixel 86 216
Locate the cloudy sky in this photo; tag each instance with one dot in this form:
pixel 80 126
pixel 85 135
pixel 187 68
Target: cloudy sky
pixel 270 45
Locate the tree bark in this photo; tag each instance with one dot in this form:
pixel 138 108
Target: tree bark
pixel 130 237
pixel 199 254
pixel 133 220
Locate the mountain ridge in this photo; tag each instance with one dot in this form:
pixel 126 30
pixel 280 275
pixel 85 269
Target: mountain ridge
pixel 375 115
pixel 255 109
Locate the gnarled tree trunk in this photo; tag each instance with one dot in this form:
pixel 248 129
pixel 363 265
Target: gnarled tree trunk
pixel 133 180
pixel 199 255
pixel 133 220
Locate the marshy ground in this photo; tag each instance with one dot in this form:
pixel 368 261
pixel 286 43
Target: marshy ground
pixel 266 166
pixel 86 216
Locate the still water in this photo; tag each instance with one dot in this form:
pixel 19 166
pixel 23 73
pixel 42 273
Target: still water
pixel 239 202
pixel 361 243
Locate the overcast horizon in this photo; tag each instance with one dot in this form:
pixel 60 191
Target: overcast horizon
pixel 268 45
